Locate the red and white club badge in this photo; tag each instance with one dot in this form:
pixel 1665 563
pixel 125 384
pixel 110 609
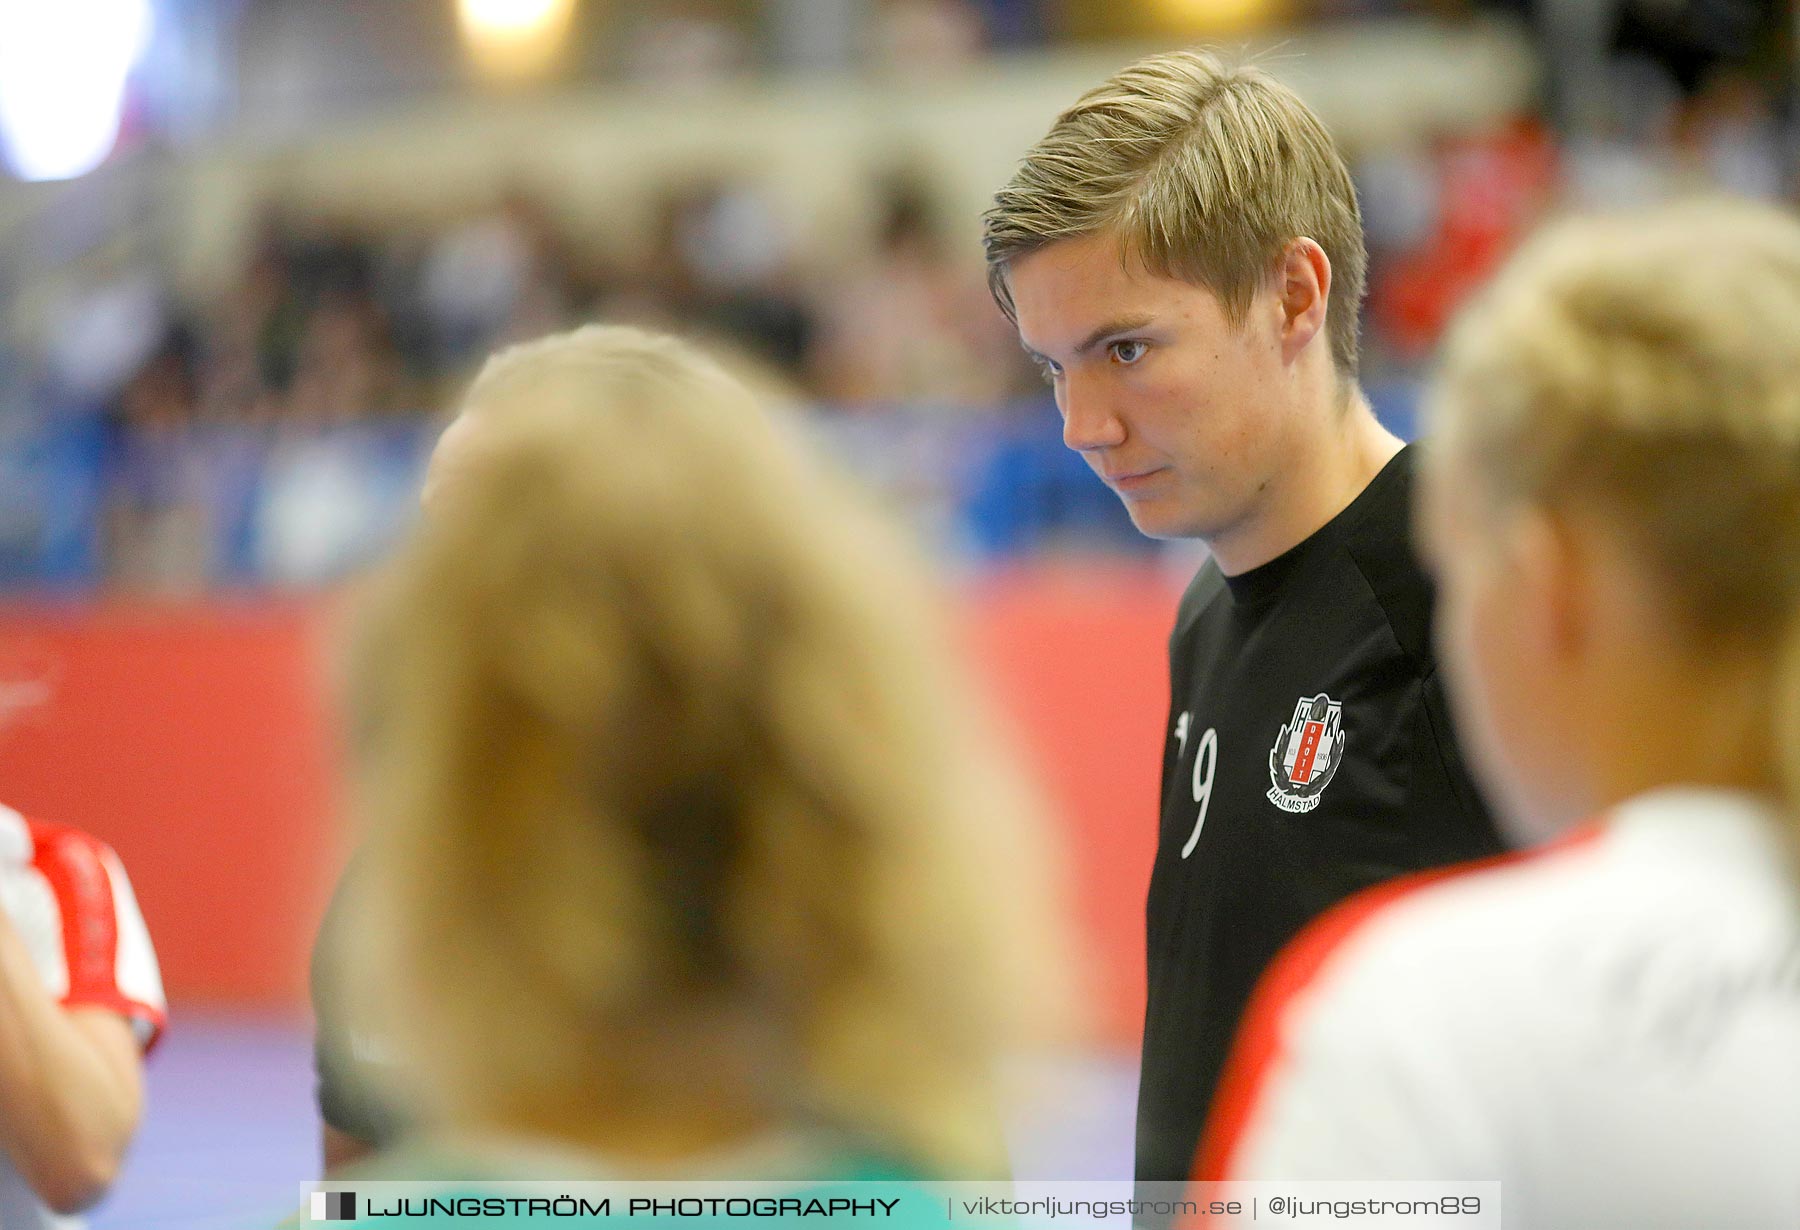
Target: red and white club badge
pixel 1307 753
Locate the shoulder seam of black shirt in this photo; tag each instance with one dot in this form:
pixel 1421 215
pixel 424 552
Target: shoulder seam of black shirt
pixel 1454 769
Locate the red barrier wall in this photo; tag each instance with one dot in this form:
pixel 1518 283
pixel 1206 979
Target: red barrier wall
pixel 1079 660
pixel 197 740
pixel 194 740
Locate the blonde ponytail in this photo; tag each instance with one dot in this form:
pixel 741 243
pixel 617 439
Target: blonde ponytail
pixel 1649 364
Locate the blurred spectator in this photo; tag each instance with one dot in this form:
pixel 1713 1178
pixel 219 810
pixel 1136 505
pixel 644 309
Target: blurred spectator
pixel 1732 140
pixel 195 415
pixel 914 323
pixel 101 333
pixel 923 38
pixel 344 365
pixel 330 502
pixel 499 275
pixel 1489 191
pixel 473 277
pixel 684 46
pixel 157 528
pixel 721 259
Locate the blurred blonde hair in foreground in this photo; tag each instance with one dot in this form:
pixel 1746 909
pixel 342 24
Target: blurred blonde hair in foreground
pixel 677 802
pixel 1648 367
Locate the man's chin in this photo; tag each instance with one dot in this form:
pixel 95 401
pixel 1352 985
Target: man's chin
pixel 1154 520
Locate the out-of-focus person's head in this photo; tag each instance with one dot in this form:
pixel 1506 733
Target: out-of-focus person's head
pixel 1184 255
pixel 681 825
pixel 1613 510
pixel 747 376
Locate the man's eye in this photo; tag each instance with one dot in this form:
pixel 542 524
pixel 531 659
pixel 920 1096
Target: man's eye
pixel 1128 352
pixel 1048 370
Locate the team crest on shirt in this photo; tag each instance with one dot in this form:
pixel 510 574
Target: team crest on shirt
pixel 1307 753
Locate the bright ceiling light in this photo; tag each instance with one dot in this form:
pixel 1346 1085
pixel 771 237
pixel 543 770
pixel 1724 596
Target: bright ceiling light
pixel 515 38
pixel 505 19
pixel 1214 16
pixel 63 69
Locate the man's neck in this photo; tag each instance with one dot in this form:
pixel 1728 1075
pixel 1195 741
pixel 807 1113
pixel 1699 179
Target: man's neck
pixel 1314 486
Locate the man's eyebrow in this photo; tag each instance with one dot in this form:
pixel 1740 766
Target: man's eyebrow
pixel 1113 328
pixel 1124 324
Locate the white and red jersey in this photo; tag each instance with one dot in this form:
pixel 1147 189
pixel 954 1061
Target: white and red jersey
pixel 1610 1027
pixel 70 901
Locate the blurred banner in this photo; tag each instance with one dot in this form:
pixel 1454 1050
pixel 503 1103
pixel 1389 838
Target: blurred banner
pixel 196 739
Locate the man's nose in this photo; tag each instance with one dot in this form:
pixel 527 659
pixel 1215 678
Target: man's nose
pixel 1089 421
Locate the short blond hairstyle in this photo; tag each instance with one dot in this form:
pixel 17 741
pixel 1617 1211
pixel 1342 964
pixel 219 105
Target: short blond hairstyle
pixel 673 785
pixel 1205 172
pixel 1649 365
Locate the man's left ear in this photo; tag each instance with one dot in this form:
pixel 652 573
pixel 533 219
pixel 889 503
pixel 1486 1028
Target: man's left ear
pixel 1304 279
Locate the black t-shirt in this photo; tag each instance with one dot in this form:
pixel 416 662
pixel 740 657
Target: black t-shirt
pixel 1309 755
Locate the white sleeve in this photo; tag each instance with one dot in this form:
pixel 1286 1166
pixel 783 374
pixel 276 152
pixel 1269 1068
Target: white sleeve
pixel 1363 1074
pixel 137 976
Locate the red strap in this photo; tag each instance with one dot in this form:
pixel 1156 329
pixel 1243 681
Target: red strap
pixel 74 866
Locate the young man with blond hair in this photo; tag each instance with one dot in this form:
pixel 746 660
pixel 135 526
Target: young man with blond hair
pixel 1183 255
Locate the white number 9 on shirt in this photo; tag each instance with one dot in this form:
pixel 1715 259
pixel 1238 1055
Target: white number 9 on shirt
pixel 1205 757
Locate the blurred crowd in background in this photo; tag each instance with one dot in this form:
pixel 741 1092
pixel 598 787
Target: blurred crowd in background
pixel 269 430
